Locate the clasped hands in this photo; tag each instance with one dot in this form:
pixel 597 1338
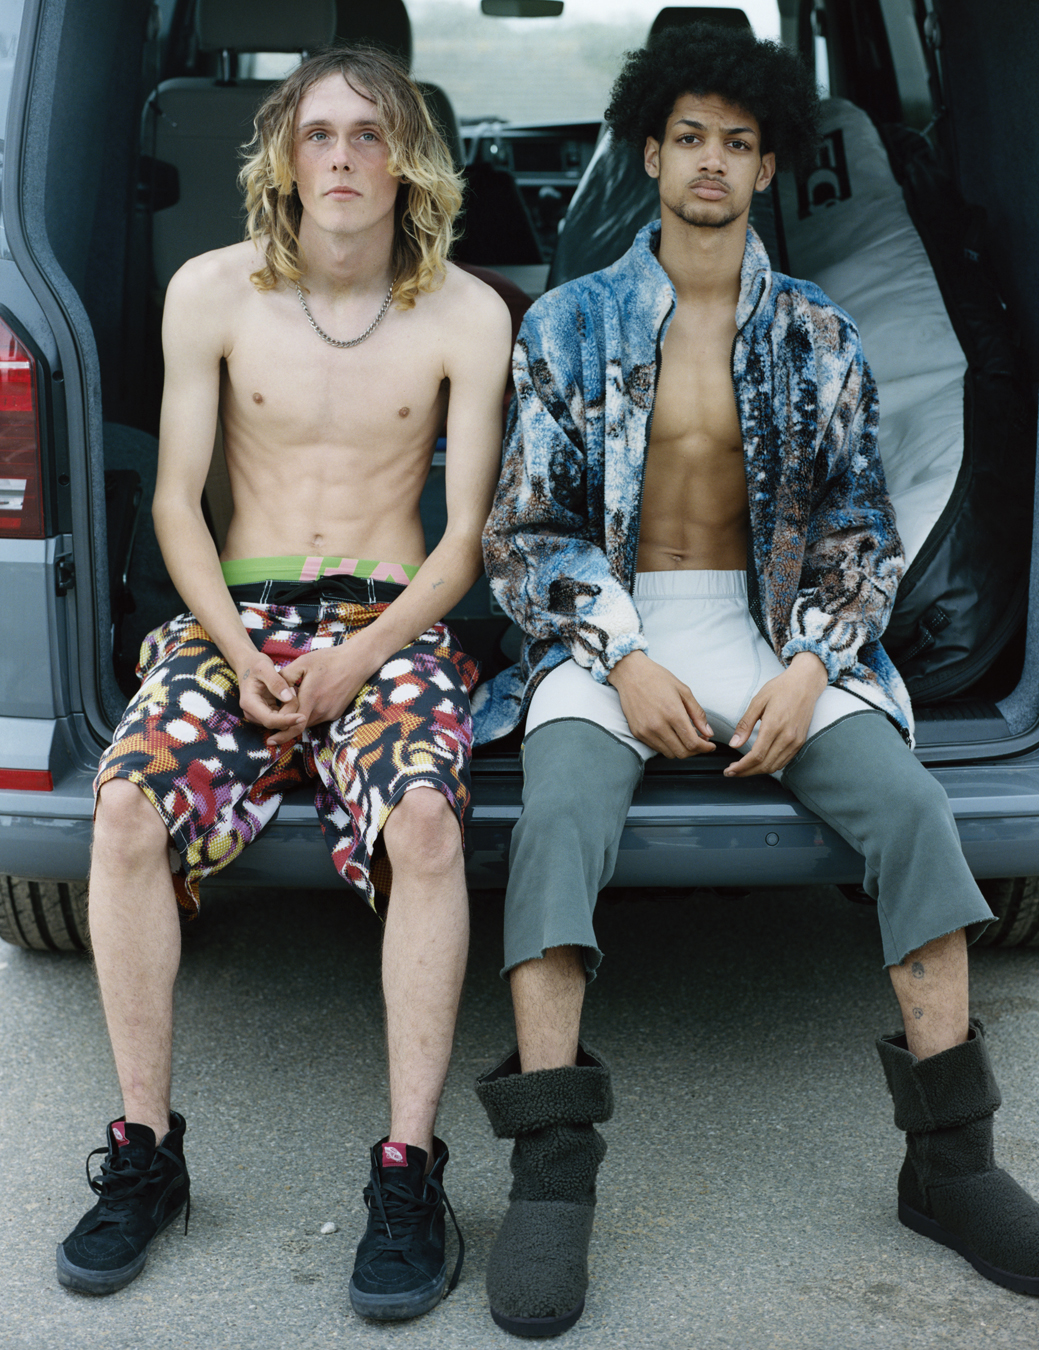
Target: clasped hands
pixel 663 713
pixel 316 687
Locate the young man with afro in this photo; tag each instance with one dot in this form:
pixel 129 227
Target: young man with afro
pixel 693 531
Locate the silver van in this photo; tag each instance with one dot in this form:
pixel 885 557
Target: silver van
pixel 121 121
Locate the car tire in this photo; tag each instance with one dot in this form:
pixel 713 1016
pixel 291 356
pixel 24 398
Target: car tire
pixel 1015 903
pixel 46 916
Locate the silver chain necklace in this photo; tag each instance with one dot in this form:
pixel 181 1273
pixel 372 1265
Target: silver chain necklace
pixel 335 342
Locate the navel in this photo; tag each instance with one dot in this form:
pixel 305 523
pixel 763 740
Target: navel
pixel 403 412
pixel 257 397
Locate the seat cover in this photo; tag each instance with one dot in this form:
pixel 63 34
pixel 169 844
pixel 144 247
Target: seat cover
pixel 884 231
pixel 849 231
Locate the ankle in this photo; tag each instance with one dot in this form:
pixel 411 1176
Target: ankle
pixel 159 1125
pixel 926 1042
pixel 415 1139
pixel 534 1058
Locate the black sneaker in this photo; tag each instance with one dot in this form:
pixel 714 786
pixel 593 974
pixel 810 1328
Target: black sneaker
pixel 401 1270
pixel 143 1187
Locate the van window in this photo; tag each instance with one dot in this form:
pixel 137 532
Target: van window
pixel 267 65
pixel 10 26
pixel 821 52
pixel 907 56
pixel 537 70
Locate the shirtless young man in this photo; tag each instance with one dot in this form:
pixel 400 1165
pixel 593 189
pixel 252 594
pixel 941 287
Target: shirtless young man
pixel 692 528
pixel 313 649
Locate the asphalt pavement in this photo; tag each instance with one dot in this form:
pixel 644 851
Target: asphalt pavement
pixel 747 1200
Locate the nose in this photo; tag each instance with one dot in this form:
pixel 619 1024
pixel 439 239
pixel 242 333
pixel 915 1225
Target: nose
pixel 712 156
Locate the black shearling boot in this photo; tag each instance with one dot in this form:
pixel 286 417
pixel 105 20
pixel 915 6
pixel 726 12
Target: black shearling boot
pixel 537 1274
pixel 949 1188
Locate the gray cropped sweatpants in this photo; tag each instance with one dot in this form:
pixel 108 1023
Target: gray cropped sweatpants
pixel 581 766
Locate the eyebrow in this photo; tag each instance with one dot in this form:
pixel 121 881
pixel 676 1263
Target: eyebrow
pixel 726 131
pixel 368 123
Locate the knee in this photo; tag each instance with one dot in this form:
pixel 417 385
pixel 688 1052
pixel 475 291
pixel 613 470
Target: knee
pixel 575 768
pixel 586 796
pixel 127 828
pixel 922 805
pixel 422 834
pixel 552 804
pixel 915 822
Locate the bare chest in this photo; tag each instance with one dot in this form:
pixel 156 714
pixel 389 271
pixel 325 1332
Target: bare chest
pixel 695 419
pixel 285 385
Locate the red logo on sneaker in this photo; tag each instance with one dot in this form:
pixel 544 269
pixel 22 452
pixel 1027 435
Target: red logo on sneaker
pixel 119 1132
pixel 394 1155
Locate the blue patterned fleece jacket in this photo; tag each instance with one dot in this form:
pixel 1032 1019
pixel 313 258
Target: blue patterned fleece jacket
pixel 824 558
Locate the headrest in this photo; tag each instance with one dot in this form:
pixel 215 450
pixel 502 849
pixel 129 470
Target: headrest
pixel 677 16
pixel 384 24
pixel 264 25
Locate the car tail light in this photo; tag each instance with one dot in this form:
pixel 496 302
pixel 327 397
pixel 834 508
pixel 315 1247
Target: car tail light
pixel 21 473
pixel 27 780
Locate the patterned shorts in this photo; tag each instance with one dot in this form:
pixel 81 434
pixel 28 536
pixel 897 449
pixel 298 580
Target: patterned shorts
pixel 213 780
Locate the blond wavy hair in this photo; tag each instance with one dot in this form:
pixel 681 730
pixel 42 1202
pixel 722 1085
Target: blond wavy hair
pixel 427 203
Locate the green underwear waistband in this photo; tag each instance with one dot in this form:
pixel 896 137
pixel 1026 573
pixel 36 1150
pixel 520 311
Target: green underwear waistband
pixel 239 571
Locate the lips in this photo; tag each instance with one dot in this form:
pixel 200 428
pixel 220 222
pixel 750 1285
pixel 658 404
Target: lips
pixel 342 193
pixel 710 189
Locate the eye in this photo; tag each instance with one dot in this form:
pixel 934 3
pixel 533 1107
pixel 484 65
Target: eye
pixel 369 137
pixel 319 136
pixel 739 145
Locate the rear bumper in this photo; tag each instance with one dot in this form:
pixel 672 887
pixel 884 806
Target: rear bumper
pixel 684 829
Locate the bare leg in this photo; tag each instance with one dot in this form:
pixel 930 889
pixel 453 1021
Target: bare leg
pixel 547 997
pixel 932 990
pixel 423 958
pixel 135 934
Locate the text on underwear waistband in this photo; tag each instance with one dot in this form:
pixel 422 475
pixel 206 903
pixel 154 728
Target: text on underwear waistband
pixel 240 571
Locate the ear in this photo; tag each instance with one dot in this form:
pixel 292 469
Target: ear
pixel 766 173
pixel 651 157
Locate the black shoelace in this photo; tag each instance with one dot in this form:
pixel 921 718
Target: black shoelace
pixel 401 1213
pixel 122 1182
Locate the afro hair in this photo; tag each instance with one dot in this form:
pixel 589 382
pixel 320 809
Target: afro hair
pixel 763 78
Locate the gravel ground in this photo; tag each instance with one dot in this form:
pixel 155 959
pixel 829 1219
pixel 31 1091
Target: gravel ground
pixel 747 1200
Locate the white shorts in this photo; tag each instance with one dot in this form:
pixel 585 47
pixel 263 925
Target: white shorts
pixel 698 625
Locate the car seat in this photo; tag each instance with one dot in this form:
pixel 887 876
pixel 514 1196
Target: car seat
pixel 195 125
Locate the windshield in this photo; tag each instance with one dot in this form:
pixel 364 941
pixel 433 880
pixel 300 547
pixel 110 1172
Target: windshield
pixel 538 70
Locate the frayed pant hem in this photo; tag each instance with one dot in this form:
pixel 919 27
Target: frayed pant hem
pixel 974 926
pixel 592 957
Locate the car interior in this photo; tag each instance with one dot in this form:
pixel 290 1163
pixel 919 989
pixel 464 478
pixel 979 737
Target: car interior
pixel 881 225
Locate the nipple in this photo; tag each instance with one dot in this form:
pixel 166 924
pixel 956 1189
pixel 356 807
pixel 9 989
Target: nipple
pixel 257 398
pixel 403 412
